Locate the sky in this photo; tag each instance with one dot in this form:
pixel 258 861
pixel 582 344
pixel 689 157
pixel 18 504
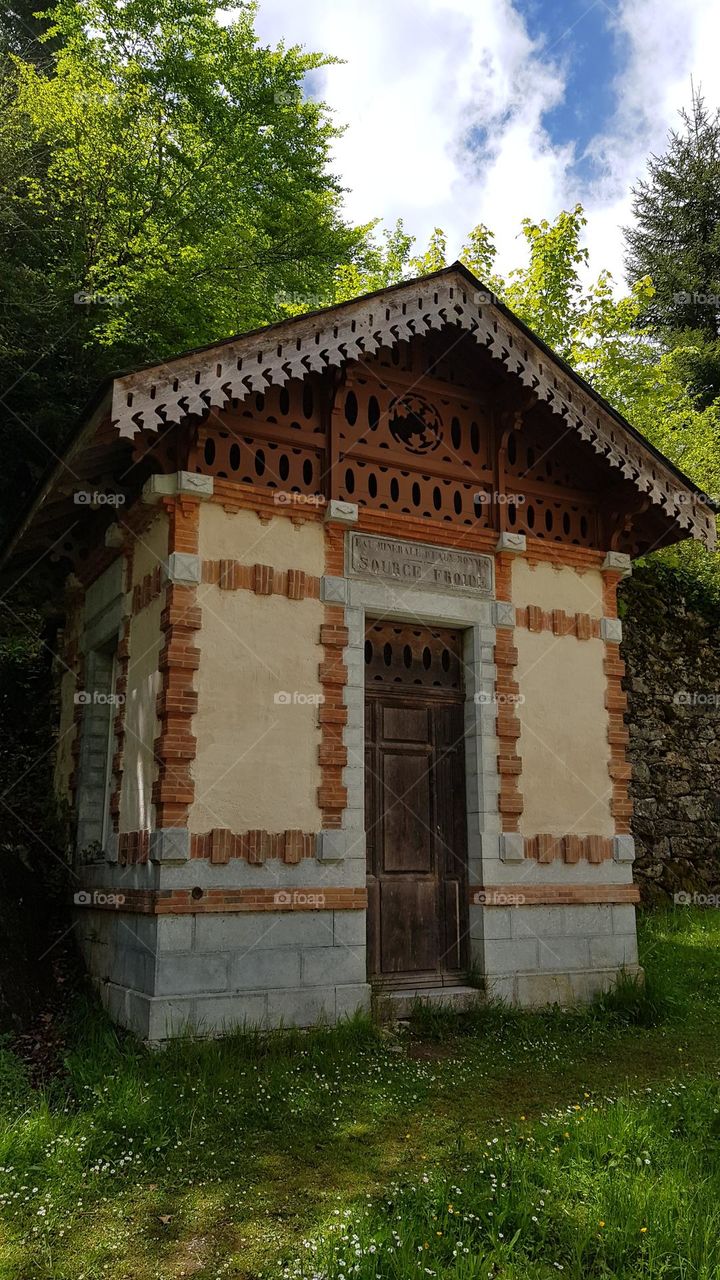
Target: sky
pixel 467 111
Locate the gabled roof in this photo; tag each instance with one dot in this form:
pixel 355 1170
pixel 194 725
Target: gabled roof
pixel 154 397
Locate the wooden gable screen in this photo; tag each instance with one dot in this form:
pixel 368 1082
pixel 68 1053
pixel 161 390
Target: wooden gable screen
pixel 389 435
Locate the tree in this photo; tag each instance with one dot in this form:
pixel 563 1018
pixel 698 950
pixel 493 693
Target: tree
pixel 676 241
pixel 165 183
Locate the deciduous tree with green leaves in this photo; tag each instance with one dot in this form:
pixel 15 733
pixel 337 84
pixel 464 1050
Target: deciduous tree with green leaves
pixel 165 182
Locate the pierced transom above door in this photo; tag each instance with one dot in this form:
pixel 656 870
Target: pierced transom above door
pixel 406 656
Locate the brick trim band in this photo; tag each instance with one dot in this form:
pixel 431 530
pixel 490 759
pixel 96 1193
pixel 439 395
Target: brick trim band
pixel 133 847
pixel 619 767
pixel 237 497
pixel 611 580
pixel 557 895
pixel 233 575
pixel 175 747
pixel 509 763
pixel 147 590
pixel 173 902
pixel 581 625
pixel 264 501
pixel 255 847
pixel 333 714
pixel 569 848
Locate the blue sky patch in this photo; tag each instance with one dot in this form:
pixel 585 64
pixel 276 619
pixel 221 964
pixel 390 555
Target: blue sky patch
pixel 579 35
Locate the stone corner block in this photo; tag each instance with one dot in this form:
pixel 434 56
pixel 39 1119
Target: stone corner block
pixel 489 846
pixel 337 512
pixel 333 590
pixel 170 844
pixel 503 613
pixel 611 630
pixel 512 847
pixel 183 569
pixel 515 542
pixel 158 487
pixel 334 846
pixel 619 562
pixel 111 850
pixel 195 485
pixel 189 483
pixel 623 849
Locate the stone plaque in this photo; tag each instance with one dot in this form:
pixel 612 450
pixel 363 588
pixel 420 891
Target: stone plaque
pixel 419 564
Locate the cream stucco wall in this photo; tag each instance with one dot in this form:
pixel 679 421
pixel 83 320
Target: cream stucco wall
pixel 256 765
pixel 143 685
pixel 563 744
pixel 550 587
pixel 150 548
pixel 242 536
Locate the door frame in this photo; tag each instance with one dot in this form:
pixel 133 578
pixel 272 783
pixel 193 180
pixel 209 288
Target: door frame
pixel 385 695
pixel 476 618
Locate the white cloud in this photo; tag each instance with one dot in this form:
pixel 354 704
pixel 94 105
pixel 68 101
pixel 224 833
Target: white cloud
pixel 422 79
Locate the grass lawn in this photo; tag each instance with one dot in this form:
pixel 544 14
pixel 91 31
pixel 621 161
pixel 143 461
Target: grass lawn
pixel 525 1146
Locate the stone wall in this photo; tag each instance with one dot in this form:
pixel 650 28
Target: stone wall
pixel 671 649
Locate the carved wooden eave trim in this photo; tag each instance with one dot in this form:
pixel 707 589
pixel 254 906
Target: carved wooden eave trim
pixel 155 398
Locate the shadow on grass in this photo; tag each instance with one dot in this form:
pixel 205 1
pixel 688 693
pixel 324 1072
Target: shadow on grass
pixel 242 1143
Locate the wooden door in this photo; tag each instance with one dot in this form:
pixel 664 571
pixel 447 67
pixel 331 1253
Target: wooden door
pixel 415 804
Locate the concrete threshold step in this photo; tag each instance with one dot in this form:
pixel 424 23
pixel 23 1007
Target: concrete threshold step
pixel 399 1003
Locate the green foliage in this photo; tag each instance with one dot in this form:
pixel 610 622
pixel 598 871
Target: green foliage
pixel 435 256
pixel 30 823
pixel 377 266
pixel 547 293
pixel 165 182
pixel 478 255
pixel 633 1000
pixel 675 238
pixel 515 1140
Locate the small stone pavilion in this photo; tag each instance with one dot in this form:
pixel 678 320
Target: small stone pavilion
pixel 341 691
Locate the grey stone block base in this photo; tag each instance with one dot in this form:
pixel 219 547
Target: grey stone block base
pixel 204 974
pixel 156 1019
pixel 533 990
